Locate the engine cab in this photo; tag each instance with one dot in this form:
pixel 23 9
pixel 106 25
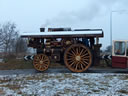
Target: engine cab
pixel 120 54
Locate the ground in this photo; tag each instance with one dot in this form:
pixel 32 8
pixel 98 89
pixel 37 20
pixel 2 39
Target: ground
pixel 53 83
pixel 64 84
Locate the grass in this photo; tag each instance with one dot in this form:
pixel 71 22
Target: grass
pixel 12 87
pixel 12 63
pixel 105 63
pixel 102 89
pixel 2 93
pixel 4 81
pixel 124 77
pixel 36 78
pixel 16 64
pixel 123 91
pixel 96 91
pixel 104 83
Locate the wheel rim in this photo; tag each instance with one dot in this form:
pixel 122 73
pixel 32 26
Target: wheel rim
pixel 78 58
pixel 41 62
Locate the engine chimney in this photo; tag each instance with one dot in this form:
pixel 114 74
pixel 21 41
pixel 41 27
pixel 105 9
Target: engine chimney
pixel 42 29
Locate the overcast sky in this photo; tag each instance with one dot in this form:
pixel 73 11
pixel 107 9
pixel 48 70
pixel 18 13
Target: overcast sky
pixel 30 15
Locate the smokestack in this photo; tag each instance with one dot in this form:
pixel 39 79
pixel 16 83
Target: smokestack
pixel 42 29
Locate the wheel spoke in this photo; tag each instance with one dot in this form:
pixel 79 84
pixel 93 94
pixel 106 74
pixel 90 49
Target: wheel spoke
pixel 70 59
pixel 82 66
pixel 40 57
pixel 84 52
pixel 85 59
pixel 76 67
pixel 71 64
pixel 73 52
pixel 77 51
pixel 84 55
pixel 85 62
pixel 81 51
pixel 69 54
pixel 45 60
pixel 82 63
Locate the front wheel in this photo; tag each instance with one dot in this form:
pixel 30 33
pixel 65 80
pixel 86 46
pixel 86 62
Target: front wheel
pixel 41 62
pixel 78 58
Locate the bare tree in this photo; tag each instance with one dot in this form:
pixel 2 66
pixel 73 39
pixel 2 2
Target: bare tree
pixel 20 46
pixel 8 34
pixel 1 39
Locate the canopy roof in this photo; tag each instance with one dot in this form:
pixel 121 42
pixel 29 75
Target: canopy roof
pixel 61 34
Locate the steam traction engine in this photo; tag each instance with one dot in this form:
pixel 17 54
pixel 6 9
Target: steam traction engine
pixel 78 48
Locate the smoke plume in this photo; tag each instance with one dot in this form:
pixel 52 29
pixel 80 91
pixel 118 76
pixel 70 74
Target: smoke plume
pixel 90 11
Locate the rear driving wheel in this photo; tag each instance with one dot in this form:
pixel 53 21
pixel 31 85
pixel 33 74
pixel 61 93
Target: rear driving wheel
pixel 41 62
pixel 78 58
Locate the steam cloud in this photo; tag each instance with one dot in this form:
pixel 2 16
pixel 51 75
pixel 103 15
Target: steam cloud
pixel 92 9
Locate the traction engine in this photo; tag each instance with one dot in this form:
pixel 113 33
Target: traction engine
pixel 78 48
